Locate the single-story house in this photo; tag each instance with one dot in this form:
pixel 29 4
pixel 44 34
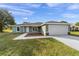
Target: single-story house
pixel 50 28
pixel 73 27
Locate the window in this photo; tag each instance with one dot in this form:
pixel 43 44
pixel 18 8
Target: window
pixel 18 29
pixel 35 29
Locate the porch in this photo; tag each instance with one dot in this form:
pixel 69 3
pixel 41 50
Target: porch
pixel 31 29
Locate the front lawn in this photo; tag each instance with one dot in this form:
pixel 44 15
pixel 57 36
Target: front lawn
pixel 35 47
pixel 75 33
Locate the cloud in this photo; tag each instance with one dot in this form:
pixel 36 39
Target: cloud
pixel 23 11
pixel 3 5
pixel 68 15
pixel 73 7
pixel 35 5
pixel 17 11
pixel 25 18
pixel 52 4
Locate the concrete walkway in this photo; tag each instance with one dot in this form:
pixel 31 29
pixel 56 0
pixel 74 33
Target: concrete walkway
pixel 70 41
pixel 22 37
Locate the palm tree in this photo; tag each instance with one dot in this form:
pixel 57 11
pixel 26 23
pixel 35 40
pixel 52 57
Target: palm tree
pixel 5 19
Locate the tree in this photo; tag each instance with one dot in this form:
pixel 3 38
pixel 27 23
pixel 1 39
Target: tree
pixel 5 19
pixel 77 23
pixel 64 21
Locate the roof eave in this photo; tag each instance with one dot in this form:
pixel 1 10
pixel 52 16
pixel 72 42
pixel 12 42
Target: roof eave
pixel 25 25
pixel 55 23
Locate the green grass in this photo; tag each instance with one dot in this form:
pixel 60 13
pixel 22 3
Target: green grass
pixel 37 47
pixel 74 33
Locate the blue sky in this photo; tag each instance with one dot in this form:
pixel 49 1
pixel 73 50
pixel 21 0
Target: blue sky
pixel 42 12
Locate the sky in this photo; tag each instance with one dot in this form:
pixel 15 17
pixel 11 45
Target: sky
pixel 43 12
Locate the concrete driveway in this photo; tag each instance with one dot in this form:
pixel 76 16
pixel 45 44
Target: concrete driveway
pixel 71 41
pixel 68 37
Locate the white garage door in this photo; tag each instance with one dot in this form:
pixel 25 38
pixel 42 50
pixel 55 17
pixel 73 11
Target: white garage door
pixel 58 29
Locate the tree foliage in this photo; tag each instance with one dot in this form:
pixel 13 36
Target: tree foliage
pixel 64 21
pixel 77 23
pixel 5 19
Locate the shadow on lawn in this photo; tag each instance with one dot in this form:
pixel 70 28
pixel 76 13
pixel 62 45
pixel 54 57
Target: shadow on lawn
pixel 32 47
pixel 28 47
pixel 35 47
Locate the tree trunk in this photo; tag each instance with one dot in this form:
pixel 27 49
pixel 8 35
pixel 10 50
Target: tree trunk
pixel 1 28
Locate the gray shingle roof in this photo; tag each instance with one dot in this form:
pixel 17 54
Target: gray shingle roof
pixel 54 22
pixel 38 23
pixel 28 23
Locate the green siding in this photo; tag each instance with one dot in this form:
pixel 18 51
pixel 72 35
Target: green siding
pixel 14 28
pixel 21 29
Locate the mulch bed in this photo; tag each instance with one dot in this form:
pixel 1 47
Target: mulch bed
pixel 34 34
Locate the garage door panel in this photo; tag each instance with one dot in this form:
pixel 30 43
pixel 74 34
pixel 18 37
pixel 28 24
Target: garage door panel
pixel 57 29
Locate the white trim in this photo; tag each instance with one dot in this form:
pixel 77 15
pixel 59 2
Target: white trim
pixel 44 24
pixel 44 30
pixel 31 25
pixel 59 23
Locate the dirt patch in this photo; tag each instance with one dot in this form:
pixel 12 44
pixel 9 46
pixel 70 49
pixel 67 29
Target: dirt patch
pixel 34 34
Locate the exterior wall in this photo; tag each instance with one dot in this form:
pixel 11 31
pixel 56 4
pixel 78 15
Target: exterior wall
pixel 22 29
pixel 14 28
pixel 57 29
pixel 30 29
pixel 33 31
pixel 44 30
pixel 51 29
pixel 27 29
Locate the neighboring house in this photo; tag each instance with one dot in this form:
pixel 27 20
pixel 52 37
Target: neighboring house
pixel 50 28
pixel 73 27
